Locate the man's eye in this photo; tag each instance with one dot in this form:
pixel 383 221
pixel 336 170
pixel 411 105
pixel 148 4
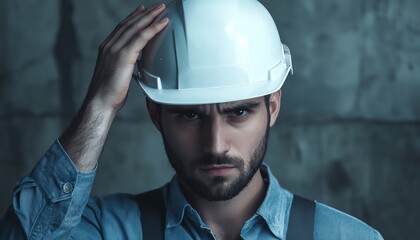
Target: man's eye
pixel 239 113
pixel 189 116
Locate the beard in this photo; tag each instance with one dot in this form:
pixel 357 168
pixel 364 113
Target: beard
pixel 219 188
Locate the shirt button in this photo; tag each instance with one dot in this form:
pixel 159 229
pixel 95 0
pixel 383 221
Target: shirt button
pixel 67 188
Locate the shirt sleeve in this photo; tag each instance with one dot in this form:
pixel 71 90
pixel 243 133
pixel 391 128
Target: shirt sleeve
pixel 50 201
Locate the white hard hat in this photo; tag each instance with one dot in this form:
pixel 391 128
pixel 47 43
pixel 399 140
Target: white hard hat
pixel 214 51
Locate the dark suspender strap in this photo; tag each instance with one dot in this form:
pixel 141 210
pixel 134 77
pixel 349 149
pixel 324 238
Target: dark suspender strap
pixel 153 214
pixel 301 220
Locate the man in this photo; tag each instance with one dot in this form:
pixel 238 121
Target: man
pixel 212 72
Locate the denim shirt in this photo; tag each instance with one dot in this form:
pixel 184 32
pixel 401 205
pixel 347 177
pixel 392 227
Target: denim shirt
pixel 53 202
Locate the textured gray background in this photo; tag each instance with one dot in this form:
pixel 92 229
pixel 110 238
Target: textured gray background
pixel 349 132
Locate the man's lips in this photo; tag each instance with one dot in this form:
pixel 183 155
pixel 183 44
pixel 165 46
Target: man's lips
pixel 217 170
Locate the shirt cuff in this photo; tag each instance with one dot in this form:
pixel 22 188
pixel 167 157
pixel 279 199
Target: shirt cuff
pixel 56 174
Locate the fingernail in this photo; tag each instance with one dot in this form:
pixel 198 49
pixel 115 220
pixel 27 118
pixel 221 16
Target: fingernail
pixel 165 19
pixel 159 6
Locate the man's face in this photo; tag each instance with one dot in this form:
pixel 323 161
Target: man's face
pixel 216 149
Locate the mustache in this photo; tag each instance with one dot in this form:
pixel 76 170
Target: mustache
pixel 219 160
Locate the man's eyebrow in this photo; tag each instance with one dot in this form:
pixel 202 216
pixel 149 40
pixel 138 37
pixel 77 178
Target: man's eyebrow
pixel 241 106
pixel 180 109
pixel 223 109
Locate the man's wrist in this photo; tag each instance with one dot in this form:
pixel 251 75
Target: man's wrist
pixel 84 139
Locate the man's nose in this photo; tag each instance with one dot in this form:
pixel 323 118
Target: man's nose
pixel 216 138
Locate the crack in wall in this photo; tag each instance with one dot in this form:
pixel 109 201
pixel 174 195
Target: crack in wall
pixel 66 53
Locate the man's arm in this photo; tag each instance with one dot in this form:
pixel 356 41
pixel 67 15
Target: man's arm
pixel 50 201
pixel 85 137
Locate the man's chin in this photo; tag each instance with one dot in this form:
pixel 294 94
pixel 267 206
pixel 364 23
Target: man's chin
pixel 218 189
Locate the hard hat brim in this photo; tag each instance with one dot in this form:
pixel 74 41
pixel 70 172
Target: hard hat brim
pixel 213 95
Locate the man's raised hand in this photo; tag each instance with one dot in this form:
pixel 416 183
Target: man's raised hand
pixel 118 54
pixel 84 139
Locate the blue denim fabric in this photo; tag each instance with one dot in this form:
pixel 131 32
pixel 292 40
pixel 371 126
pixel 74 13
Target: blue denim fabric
pixel 53 202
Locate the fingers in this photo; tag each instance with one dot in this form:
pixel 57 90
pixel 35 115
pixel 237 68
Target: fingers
pixel 135 17
pixel 113 34
pixel 127 21
pixel 136 11
pixel 139 24
pixel 119 52
pixel 140 39
pixel 138 20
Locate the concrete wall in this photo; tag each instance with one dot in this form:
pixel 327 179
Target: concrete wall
pixel 349 131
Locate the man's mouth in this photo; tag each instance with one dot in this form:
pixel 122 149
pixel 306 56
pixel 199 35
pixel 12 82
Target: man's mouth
pixel 217 169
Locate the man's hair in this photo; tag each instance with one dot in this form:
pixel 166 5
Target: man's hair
pixel 267 101
pixel 267 106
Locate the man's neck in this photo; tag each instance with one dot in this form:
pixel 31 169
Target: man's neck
pixel 226 218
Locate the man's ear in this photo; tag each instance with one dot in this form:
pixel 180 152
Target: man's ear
pixel 274 106
pixel 154 112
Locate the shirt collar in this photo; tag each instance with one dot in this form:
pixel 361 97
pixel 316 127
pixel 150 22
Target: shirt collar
pixel 274 207
pixel 177 203
pixel 272 210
